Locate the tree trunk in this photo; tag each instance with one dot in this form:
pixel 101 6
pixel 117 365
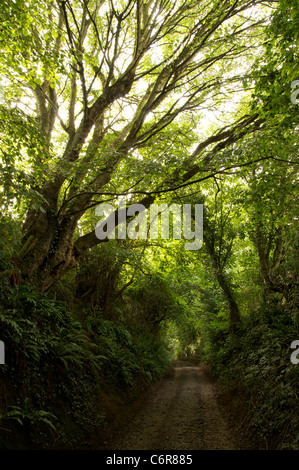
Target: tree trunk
pixel 234 312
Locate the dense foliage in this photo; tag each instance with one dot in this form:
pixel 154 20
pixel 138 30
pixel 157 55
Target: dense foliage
pixel 165 102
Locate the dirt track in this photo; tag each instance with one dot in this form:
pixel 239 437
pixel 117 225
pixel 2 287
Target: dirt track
pixel 182 412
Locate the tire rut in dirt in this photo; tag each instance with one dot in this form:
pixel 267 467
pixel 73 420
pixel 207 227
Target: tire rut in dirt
pixel 181 414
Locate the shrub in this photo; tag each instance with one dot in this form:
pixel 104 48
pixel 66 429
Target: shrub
pixel 256 365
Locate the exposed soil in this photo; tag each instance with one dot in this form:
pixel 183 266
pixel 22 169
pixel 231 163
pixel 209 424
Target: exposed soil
pixel 183 411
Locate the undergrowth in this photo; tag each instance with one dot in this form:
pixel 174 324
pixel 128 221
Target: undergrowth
pixel 254 366
pixel 57 367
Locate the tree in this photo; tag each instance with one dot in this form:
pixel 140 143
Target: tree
pixel 106 81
